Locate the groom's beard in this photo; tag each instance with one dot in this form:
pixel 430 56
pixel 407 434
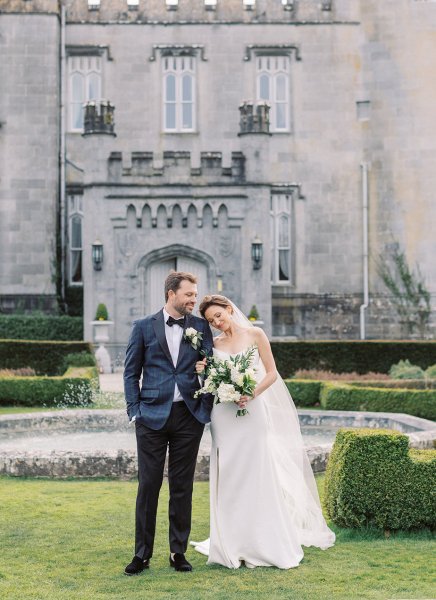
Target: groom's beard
pixel 184 309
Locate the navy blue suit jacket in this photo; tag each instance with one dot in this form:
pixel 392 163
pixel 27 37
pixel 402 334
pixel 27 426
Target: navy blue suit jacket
pixel 148 353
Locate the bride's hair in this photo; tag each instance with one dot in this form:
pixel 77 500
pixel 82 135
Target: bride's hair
pixel 214 300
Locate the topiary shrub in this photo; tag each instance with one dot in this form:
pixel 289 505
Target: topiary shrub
pixel 420 403
pixel 304 392
pixel 372 479
pixel 430 373
pixel 101 313
pixel 405 370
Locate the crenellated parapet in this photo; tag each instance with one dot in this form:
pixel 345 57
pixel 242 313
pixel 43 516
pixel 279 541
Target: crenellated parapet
pixel 175 167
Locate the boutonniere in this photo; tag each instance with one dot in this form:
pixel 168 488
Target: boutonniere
pixel 194 337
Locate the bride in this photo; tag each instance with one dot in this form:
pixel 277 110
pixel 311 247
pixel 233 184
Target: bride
pixel 264 504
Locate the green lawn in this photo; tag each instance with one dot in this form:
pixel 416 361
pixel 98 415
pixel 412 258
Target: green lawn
pixel 71 540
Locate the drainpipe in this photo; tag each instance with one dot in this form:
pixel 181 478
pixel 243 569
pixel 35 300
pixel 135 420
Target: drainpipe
pixel 364 306
pixel 62 147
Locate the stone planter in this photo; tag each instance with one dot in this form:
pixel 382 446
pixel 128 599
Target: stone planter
pixel 101 337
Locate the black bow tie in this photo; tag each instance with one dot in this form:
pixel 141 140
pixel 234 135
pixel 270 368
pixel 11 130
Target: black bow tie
pixel 171 321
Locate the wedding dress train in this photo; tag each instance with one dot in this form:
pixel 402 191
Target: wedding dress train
pixel 264 504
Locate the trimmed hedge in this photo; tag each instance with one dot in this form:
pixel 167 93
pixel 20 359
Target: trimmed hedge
pixel 304 392
pixel 346 356
pixel 41 327
pixel 74 388
pixel 373 479
pixel 46 358
pixel 420 403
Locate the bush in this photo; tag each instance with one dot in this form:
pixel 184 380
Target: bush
pixel 79 359
pixel 330 376
pixel 101 314
pixel 46 358
pixel 74 388
pixel 420 403
pixel 304 393
pixel 348 356
pixel 405 370
pixel 430 373
pixel 40 327
pixel 373 479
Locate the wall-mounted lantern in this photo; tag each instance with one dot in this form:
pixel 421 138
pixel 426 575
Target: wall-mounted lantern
pixel 97 255
pixel 257 252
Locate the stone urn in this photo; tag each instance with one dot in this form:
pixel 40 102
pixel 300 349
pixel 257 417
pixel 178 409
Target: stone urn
pixel 101 337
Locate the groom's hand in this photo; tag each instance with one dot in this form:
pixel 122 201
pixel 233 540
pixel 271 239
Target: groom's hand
pixel 200 366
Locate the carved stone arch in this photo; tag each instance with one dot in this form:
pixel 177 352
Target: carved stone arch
pixel 192 216
pixel 171 257
pixel 131 217
pixel 177 216
pixel 146 217
pixel 207 216
pixel 161 217
pixel 223 216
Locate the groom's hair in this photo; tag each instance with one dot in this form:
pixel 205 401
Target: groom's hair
pixel 175 278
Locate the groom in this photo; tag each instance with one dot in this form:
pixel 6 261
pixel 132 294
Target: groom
pixel 166 415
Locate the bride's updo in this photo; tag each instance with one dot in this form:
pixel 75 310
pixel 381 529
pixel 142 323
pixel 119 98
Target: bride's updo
pixel 214 300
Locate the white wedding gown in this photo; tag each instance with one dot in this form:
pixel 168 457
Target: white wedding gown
pixel 264 504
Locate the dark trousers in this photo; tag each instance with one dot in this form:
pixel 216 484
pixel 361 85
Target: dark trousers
pixel 181 434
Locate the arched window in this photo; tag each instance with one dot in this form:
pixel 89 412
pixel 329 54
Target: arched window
pixel 281 239
pixel 75 248
pixel 179 93
pixel 84 85
pixel 273 87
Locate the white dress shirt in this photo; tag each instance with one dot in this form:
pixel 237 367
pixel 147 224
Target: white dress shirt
pixel 174 336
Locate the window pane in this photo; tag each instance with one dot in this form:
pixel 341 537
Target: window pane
pixel 77 88
pixel 76 266
pixel 187 116
pixel 280 88
pixel 280 116
pixel 283 232
pixel 93 87
pixel 76 232
pixel 284 265
pixel 264 87
pixel 77 116
pixel 170 88
pixel 170 116
pixel 187 88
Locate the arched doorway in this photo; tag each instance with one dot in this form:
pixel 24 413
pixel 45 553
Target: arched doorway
pixel 156 266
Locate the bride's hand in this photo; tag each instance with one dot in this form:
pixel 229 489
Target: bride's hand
pixel 243 401
pixel 200 366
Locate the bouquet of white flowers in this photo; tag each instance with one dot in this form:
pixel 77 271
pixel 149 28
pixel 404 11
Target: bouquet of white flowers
pixel 230 379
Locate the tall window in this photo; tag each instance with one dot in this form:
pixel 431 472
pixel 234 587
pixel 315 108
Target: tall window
pixel 84 78
pixel 273 87
pixel 179 93
pixel 75 220
pixel 281 255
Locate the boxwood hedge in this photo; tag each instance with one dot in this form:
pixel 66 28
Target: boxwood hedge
pixel 73 388
pixel 373 479
pixel 304 392
pixel 41 327
pixel 346 356
pixel 420 403
pixel 46 358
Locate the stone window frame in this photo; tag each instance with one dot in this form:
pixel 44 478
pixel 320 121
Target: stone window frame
pixel 75 211
pixel 274 67
pixel 79 60
pixel 179 52
pixel 278 211
pixel 180 68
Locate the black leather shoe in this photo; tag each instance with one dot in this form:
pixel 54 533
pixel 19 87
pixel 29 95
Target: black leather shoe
pixel 179 562
pixel 136 566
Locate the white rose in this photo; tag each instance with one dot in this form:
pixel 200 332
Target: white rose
pixel 251 373
pixel 212 372
pixel 236 376
pixel 194 340
pixel 190 331
pixel 227 393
